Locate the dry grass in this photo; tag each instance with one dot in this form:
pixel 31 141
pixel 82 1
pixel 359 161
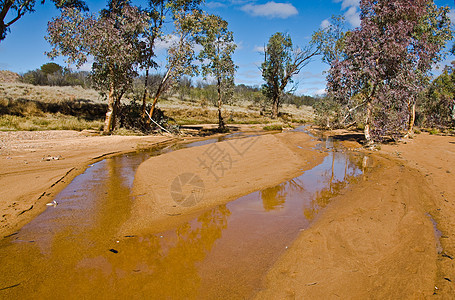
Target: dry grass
pixel 47 94
pixel 47 122
pixel 8 76
pixel 244 112
pixel 28 107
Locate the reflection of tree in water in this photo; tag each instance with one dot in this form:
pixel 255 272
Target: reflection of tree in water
pixel 158 266
pixel 164 266
pixel 350 163
pixel 274 198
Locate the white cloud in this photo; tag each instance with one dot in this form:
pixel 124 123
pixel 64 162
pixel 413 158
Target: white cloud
pixel 87 66
pixel 271 10
pixel 165 43
pixel 214 4
pixel 352 14
pixel 326 23
pixel 348 3
pixel 260 49
pixel 452 16
pixel 320 92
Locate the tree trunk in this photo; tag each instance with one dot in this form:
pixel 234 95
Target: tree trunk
pixel 144 97
pixel 110 110
pixel 155 100
pixel 221 125
pixel 369 140
pixel 412 118
pixel 160 89
pixel 275 104
pixel 115 111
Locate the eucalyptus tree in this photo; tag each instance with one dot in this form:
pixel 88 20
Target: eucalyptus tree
pixel 181 54
pixel 112 38
pixel 386 63
pixel 437 107
pixel 156 11
pixel 281 63
pixel 18 8
pixel 216 58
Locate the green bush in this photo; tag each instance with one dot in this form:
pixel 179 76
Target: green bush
pixel 273 127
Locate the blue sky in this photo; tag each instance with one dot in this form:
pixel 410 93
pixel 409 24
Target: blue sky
pixel 252 21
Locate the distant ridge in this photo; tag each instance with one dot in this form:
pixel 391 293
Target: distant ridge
pixel 8 76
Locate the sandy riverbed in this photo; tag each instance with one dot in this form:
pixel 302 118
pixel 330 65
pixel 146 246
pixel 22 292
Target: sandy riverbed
pixel 35 166
pixel 376 239
pixel 175 186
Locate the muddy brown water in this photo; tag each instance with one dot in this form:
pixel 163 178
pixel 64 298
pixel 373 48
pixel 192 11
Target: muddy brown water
pixel 70 250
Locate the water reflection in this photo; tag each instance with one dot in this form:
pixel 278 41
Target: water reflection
pixel 70 250
pixel 344 167
pixel 274 198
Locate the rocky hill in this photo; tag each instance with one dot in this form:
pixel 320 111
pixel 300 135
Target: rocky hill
pixel 8 76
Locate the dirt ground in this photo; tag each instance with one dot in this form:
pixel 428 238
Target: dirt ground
pixel 434 157
pixel 36 165
pixel 214 174
pixel 375 240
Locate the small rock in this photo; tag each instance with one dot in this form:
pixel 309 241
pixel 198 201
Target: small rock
pixel 49 158
pixel 53 203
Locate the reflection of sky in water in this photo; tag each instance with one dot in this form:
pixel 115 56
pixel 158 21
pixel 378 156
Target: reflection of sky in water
pixel 224 251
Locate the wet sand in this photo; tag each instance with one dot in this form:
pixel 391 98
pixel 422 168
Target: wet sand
pixel 434 157
pixel 374 239
pixel 35 166
pixel 173 187
pixel 380 239
pixel 223 252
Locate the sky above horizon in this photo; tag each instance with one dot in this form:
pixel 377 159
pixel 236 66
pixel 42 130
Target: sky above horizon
pixel 252 21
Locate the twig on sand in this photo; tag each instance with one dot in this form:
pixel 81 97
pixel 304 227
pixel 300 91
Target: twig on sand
pixel 9 287
pixel 24 211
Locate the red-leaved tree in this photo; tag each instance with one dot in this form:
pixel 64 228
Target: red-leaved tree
pixel 386 63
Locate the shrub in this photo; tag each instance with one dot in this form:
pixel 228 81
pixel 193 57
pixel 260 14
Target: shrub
pixel 273 127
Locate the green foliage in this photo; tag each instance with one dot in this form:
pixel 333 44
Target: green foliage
pixel 437 106
pixel 299 101
pixel 59 78
pixel 281 62
pixel 328 113
pixel 51 68
pixel 273 127
pixel 434 131
pixel 186 16
pixel 331 39
pixel 15 9
pixel 216 58
pixel 278 59
pixel 113 39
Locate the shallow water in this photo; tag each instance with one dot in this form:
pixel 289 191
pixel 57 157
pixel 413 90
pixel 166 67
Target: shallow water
pixel 70 250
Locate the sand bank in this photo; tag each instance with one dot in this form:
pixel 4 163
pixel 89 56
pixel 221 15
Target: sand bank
pixel 171 188
pixel 35 166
